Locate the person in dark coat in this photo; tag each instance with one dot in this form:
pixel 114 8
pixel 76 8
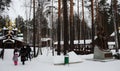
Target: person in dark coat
pixel 23 55
pixel 2 53
pixel 28 49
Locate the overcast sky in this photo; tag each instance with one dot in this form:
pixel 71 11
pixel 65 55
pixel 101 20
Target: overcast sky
pixel 18 7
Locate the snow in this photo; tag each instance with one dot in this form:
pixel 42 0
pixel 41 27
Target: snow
pixel 113 34
pixel 45 62
pixel 87 41
pixel 109 1
pixel 72 56
pixel 9 40
pixel 18 38
pixel 45 39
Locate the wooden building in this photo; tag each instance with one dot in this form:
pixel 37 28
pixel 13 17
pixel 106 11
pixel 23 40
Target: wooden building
pixel 45 42
pixel 9 39
pixel 79 46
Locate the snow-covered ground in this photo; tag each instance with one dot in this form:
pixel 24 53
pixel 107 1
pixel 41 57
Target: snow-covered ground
pixel 45 62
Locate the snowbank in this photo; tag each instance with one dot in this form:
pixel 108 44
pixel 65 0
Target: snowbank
pixel 73 58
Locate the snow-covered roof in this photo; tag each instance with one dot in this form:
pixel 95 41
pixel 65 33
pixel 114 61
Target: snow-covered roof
pixel 20 34
pixel 9 40
pixel 15 29
pixel 82 42
pixel 18 38
pixel 45 39
pixel 4 28
pixel 2 37
pixel 111 43
pixel 88 41
pixel 113 34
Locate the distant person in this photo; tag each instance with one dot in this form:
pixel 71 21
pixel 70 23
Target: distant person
pixel 15 58
pixel 28 49
pixel 23 55
pixel 2 53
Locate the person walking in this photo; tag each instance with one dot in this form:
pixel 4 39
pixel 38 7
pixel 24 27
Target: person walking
pixel 15 58
pixel 2 53
pixel 28 49
pixel 23 55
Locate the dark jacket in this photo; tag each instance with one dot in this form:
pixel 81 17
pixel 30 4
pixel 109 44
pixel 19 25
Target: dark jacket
pixel 23 54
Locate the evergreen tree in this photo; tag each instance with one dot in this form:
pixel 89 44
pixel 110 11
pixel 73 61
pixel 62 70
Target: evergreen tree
pixel 2 22
pixel 104 13
pixel 20 24
pixel 3 4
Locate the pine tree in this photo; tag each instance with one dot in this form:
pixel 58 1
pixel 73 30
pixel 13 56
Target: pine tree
pixel 3 4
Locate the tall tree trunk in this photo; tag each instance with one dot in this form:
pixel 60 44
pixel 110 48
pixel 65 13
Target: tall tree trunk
pixel 52 32
pixel 59 28
pixel 40 8
pixel 114 11
pixel 71 26
pixel 83 22
pixel 78 25
pixel 92 14
pixel 34 27
pixel 96 16
pixel 65 18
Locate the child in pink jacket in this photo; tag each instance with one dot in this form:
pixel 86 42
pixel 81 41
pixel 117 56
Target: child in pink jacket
pixel 15 58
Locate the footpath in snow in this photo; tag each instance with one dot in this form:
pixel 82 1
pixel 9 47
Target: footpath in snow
pixel 46 62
